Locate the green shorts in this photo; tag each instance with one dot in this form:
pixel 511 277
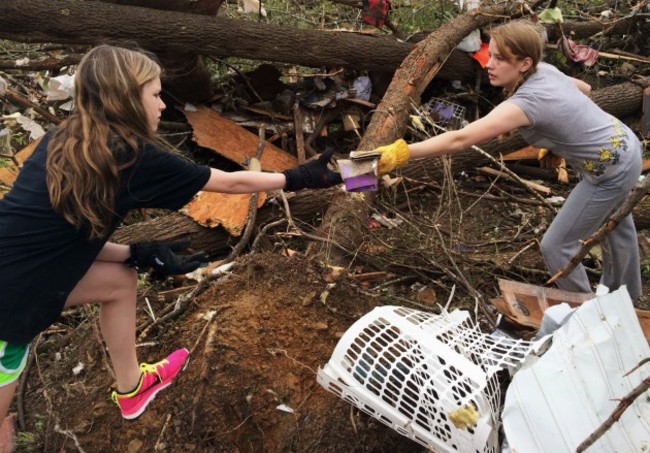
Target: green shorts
pixel 13 358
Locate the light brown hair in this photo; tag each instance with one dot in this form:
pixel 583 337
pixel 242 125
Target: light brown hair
pixel 108 117
pixel 519 39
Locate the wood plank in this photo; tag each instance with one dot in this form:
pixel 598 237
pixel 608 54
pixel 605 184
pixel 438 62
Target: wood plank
pixel 213 131
pixel 525 153
pixel 525 304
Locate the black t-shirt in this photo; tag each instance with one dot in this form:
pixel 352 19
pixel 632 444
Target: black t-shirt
pixel 42 256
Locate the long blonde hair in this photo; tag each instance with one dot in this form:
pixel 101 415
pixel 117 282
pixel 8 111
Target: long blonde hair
pixel 519 39
pixel 108 117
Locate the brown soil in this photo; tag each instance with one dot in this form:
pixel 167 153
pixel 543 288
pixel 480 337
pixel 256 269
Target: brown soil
pixel 271 331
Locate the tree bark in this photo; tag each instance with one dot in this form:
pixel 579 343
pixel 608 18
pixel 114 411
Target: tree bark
pixel 205 7
pixel 579 30
pixel 305 206
pixel 185 76
pixel 71 21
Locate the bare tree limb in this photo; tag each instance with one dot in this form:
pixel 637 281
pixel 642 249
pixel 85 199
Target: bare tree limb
pixel 635 196
pixel 625 402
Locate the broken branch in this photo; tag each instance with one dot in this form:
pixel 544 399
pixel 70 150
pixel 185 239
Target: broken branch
pixel 625 402
pixel 626 208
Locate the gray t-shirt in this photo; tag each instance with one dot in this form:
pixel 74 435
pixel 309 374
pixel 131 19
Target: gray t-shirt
pixel 570 124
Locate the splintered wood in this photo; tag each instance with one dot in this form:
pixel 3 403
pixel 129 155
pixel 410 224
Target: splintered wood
pixel 524 304
pixel 232 141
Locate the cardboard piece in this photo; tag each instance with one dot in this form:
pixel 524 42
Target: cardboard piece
pixel 524 304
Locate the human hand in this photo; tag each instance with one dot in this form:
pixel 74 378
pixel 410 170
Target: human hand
pixel 160 257
pixel 314 174
pixel 392 156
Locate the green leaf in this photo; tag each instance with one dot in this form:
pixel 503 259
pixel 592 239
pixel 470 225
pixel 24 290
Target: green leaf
pixel 551 16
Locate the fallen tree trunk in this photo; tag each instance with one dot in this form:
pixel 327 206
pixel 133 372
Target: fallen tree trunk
pixel 580 30
pixel 70 21
pixel 168 32
pixel 185 75
pixel 305 207
pixel 74 22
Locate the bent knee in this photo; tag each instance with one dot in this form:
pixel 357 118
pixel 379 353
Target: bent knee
pixel 105 281
pixel 127 277
pixel 122 281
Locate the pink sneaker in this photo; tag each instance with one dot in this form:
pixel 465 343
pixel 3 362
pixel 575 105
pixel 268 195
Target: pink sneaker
pixel 154 378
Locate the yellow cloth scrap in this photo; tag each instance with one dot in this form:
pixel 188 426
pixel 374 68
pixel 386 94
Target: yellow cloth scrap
pixel 465 417
pixel 392 156
pixel 549 160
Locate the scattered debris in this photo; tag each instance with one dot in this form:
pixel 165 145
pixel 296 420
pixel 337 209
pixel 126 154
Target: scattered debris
pixel 556 401
pixel 285 408
pixel 434 378
pixel 213 131
pixel 418 372
pixel 525 304
pixel 78 369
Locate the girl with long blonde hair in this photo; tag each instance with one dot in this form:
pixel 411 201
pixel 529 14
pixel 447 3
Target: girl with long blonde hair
pixel 74 191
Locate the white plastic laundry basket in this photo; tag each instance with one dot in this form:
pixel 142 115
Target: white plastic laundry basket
pixel 412 369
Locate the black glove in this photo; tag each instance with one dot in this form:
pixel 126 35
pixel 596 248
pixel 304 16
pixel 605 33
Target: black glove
pixel 160 257
pixel 312 175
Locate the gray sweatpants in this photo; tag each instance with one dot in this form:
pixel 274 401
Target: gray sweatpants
pixel 585 210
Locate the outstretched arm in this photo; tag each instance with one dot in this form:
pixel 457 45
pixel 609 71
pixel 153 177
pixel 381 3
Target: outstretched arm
pixel 314 174
pixel 504 118
pixel 582 86
pixel 244 181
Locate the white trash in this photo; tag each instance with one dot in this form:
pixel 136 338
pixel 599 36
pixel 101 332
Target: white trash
pixel 556 401
pixel 412 369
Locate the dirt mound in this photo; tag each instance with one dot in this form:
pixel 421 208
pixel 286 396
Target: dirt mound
pixel 256 338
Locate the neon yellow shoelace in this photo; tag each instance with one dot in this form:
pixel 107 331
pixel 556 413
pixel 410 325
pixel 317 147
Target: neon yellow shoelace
pixel 153 367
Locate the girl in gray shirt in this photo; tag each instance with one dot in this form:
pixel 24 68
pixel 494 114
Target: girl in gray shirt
pixel 553 111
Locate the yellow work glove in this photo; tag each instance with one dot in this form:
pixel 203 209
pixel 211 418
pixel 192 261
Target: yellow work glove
pixel 392 156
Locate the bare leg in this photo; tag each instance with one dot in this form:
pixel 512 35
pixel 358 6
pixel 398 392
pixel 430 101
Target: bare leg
pixel 6 394
pixel 114 286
